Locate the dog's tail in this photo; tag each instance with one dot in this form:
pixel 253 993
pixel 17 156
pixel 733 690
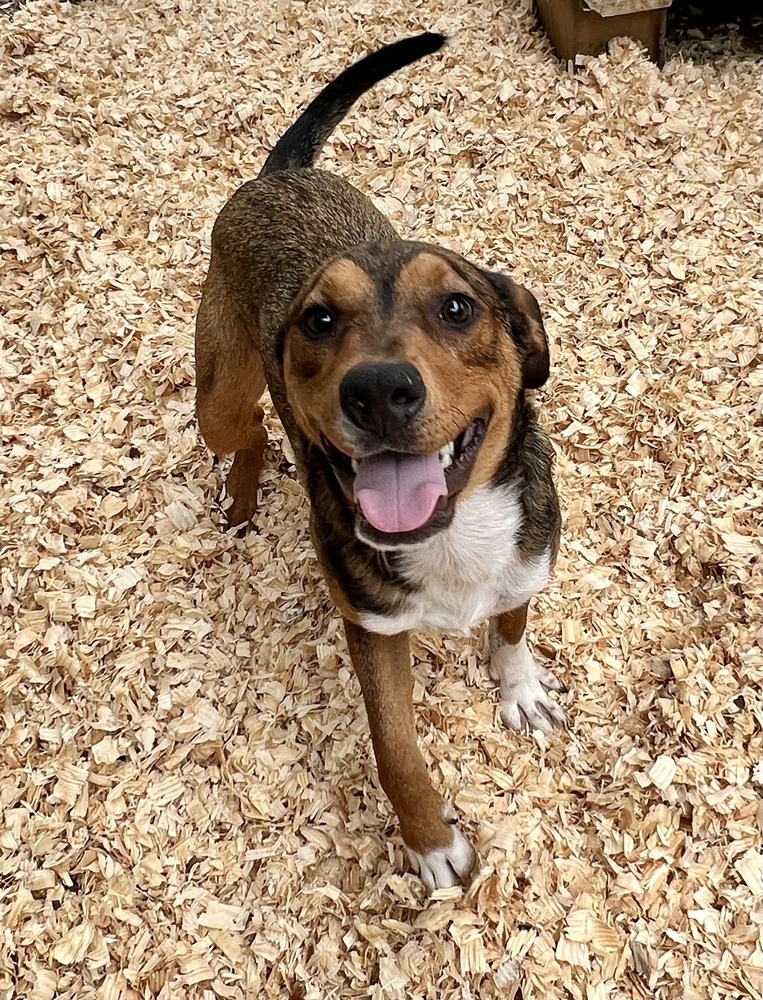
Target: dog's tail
pixel 300 144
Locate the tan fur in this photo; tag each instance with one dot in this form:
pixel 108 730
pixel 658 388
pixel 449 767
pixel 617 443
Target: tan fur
pixel 511 625
pixel 346 284
pixel 230 381
pixel 383 666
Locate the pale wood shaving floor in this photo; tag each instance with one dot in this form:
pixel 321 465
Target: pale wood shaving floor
pixel 189 805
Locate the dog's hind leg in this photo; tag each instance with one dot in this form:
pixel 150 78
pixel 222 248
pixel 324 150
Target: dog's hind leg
pixel 229 383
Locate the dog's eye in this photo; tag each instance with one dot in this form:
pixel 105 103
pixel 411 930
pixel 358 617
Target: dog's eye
pixel 456 310
pixel 318 322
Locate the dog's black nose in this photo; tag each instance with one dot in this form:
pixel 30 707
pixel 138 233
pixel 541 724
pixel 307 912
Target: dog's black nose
pixel 382 398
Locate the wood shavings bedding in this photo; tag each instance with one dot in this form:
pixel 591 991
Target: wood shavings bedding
pixel 189 804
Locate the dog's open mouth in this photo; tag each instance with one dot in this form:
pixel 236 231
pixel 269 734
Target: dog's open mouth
pixel 404 498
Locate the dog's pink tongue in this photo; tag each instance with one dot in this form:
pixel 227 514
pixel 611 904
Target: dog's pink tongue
pixel 399 492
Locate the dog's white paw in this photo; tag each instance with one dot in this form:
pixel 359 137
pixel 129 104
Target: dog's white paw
pixel 525 685
pixel 529 707
pixel 445 867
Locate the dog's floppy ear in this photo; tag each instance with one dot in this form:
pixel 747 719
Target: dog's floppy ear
pixel 527 329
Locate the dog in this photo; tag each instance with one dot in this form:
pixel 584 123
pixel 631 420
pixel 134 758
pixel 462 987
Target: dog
pixel 399 371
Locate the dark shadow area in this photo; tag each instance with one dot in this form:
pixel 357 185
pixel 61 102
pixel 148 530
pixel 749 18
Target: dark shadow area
pixel 703 30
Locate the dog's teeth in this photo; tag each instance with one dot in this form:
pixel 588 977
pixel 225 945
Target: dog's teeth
pixel 354 465
pixel 446 455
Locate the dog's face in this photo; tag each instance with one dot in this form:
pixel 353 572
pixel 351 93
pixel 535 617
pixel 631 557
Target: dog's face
pixel 404 363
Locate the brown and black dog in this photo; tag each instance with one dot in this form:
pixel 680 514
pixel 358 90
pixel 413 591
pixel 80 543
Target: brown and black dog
pixel 399 370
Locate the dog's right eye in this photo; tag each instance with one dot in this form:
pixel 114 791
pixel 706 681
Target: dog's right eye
pixel 318 322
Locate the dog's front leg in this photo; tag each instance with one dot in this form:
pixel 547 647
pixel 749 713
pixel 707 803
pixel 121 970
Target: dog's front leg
pixel 440 854
pixel 525 685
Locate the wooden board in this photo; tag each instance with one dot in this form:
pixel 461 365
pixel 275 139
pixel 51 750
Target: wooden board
pixel 612 8
pixel 575 30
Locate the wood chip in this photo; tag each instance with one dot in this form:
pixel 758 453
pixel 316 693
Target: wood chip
pixel 72 948
pixel 662 772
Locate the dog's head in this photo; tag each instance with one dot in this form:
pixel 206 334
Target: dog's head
pixel 404 364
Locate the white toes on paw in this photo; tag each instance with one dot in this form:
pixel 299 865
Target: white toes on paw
pixel 525 686
pixel 445 867
pixel 547 679
pixel 528 706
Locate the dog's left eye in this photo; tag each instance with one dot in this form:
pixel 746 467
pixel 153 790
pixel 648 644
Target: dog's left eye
pixel 456 310
pixel 318 322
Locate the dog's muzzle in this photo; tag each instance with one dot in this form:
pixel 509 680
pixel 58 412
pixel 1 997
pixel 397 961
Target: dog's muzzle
pixel 404 497
pixel 382 399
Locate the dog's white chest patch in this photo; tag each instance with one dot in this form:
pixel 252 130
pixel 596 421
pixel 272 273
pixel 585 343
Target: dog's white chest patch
pixel 468 572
